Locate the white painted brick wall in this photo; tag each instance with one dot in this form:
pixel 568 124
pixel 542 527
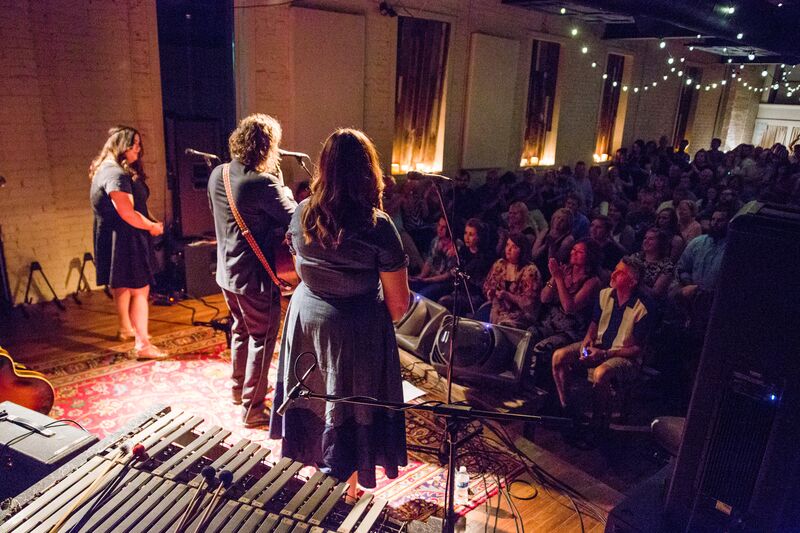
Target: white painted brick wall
pixel 71 69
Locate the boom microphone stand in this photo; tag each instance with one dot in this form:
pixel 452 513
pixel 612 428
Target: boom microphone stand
pixel 457 416
pixel 459 280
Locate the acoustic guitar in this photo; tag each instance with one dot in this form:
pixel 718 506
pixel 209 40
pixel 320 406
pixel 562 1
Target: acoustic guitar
pixel 24 387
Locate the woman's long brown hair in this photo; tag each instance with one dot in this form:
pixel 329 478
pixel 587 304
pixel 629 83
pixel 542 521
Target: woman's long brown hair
pixel 346 191
pixel 120 139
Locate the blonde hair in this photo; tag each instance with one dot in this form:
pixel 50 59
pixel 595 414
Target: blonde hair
pixel 347 189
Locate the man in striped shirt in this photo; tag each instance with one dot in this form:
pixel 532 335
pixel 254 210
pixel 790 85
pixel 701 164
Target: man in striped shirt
pixel 612 344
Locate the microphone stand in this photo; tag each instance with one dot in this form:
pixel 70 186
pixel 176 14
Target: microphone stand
pixel 459 280
pixel 457 416
pixel 301 161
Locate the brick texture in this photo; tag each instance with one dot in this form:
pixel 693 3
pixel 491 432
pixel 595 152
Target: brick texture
pixel 71 69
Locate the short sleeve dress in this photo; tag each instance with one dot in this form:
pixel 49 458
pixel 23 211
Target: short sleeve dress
pixel 337 313
pixel 123 254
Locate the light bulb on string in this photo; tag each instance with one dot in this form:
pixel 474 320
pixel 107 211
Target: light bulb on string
pixel 563 10
pixel 741 67
pixel 662 44
pixel 680 73
pixel 670 60
pixel 691 48
pixel 730 60
pixel 655 83
pixel 689 81
pixel 713 85
pixel 665 77
pixel 584 50
pixel 708 87
pixel 672 69
pixel 614 84
pixel 573 32
pixel 683 59
pixel 697 86
pixel 739 36
pixel 764 73
pixel 625 88
pixel 605 76
pixel 699 36
pixel 594 65
pixel 751 56
pixel 636 89
pixel 724 82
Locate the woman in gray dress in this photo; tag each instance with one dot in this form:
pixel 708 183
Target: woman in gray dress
pixel 354 284
pixel 123 228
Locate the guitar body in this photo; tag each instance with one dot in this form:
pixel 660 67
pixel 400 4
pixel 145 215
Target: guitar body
pixel 24 387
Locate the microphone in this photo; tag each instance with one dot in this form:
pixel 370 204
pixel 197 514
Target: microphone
pixel 294 392
pixel 416 175
pixel 191 151
pixel 298 155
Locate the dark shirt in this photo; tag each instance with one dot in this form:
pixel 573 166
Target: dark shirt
pixel 266 206
pixel 616 324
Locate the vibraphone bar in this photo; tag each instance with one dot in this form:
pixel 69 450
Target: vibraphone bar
pixel 113 492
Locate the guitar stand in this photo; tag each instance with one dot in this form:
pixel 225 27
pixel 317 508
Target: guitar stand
pixel 36 267
pixel 83 283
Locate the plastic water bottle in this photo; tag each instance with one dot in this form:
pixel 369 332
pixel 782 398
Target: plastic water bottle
pixel 461 495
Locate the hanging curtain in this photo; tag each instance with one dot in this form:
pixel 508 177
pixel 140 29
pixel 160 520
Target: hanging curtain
pixel 421 62
pixel 541 95
pixel 612 88
pixel 685 101
pixel 794 137
pixel 772 135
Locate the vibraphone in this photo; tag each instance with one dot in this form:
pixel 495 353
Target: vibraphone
pixel 111 492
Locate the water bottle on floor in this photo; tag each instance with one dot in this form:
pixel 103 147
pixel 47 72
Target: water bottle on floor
pixel 461 496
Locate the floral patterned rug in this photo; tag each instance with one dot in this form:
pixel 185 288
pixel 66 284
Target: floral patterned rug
pixel 102 391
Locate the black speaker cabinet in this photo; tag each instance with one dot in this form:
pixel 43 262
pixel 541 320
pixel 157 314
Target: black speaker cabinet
pixel 200 263
pixel 737 469
pixel 416 331
pixel 484 353
pixel 29 456
pixel 189 174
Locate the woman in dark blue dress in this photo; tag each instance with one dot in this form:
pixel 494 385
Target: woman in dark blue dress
pixel 354 283
pixel 123 229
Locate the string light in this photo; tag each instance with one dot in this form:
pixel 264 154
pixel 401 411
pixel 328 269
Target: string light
pixel 739 36
pixel 563 10
pixel 689 82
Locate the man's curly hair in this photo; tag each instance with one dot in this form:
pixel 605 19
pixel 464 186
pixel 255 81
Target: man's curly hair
pixel 254 143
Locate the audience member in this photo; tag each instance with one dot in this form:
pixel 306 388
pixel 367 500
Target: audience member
pixel 476 260
pixel 658 269
pixel 580 224
pixel 557 241
pixel 513 285
pixel 584 186
pixel 621 231
pixel 435 279
pixel 687 220
pixel 667 220
pixel 610 250
pixel 612 344
pixel 566 303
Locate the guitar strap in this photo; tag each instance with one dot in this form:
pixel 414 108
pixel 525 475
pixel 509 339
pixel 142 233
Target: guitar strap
pixel 226 178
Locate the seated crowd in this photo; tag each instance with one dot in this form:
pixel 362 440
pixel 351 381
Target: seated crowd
pixel 630 250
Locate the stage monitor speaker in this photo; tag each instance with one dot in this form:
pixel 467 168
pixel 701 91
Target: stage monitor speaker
pixel 416 331
pixel 484 353
pixel 739 460
pixel 200 263
pixel 28 456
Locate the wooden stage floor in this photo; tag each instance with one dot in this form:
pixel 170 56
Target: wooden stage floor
pixel 48 334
